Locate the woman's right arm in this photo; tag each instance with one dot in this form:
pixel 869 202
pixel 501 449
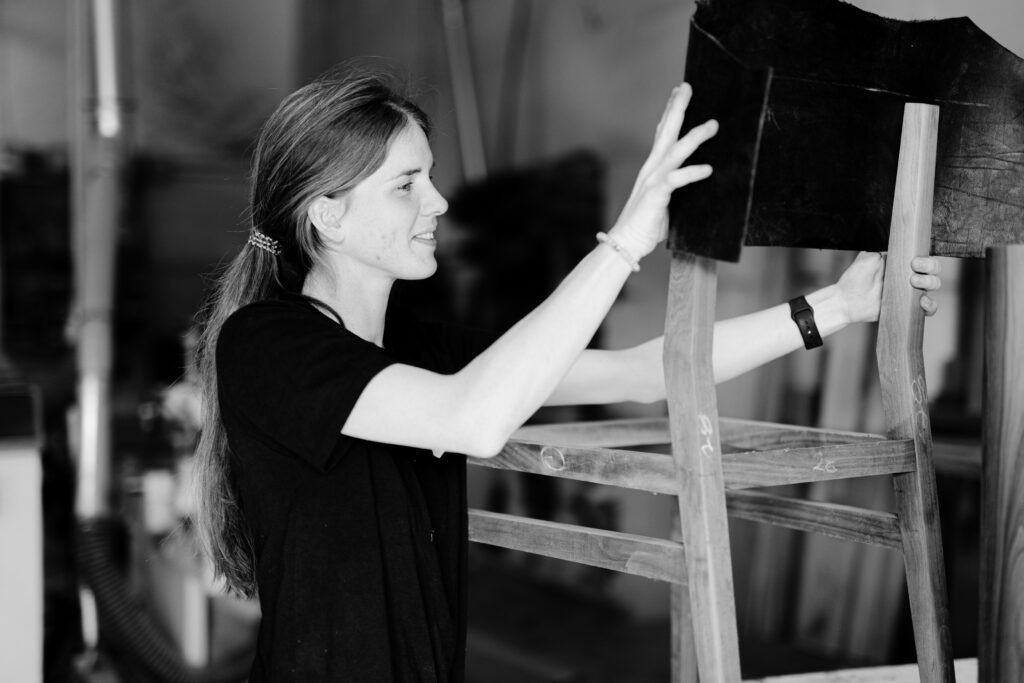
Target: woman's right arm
pixel 476 410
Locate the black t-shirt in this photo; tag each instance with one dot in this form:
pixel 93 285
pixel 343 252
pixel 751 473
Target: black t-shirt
pixel 360 546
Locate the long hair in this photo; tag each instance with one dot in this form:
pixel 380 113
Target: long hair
pixel 323 139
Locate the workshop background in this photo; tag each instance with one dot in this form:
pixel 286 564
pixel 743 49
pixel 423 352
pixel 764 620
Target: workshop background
pixel 566 95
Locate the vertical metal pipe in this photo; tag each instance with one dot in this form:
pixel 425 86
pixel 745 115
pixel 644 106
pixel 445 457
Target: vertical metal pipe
pixel 108 108
pixel 99 151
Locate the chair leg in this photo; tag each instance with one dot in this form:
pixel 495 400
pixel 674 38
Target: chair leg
pixel 684 649
pixel 696 449
pixel 917 507
pixel 905 394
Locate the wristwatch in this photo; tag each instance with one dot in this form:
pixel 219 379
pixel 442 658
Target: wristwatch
pixel 803 316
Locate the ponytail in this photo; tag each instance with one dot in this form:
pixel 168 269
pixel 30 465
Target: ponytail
pixel 223 532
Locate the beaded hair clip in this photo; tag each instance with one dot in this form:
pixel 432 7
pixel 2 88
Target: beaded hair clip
pixel 264 242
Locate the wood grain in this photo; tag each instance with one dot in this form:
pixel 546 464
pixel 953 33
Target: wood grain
pixel 1001 629
pixel 655 472
pixel 652 472
pixel 756 435
pixel 752 469
pixel 693 413
pixel 651 558
pixel 830 519
pixel 599 433
pixel 684 649
pixel 737 433
pixel 905 394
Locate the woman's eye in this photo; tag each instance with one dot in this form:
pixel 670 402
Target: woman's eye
pixel 406 187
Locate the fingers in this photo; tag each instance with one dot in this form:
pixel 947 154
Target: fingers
pixel 871 259
pixel 688 174
pixel 688 144
pixel 867 256
pixel 928 305
pixel 926 276
pixel 926 265
pixel 926 273
pixel 669 151
pixel 667 131
pixel 926 270
pixel 925 282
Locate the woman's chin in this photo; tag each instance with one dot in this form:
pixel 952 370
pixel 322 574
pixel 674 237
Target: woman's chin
pixel 422 272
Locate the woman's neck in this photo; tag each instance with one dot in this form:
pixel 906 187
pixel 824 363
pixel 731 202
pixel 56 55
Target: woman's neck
pixel 361 304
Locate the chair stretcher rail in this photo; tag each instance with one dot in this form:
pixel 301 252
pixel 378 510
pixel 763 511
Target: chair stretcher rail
pixel 830 519
pixel 651 558
pixel 740 434
pixel 655 472
pixel 663 560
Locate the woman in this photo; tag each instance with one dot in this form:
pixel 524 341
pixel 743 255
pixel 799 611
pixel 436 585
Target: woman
pixel 323 405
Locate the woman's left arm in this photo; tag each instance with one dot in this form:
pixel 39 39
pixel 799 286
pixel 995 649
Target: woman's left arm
pixel 743 343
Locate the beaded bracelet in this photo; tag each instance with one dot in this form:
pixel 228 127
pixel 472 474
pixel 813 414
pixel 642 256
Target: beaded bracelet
pixel 605 238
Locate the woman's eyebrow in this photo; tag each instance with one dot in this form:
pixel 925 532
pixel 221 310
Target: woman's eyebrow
pixel 413 171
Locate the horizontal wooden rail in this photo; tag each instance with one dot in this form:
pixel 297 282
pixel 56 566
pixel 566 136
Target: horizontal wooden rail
pixel 752 469
pixel 754 435
pixel 599 433
pixel 655 472
pixel 663 560
pixel 739 434
pixel 652 558
pixel 830 519
pixel 651 472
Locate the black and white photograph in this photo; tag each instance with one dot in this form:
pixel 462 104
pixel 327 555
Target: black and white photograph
pixel 511 341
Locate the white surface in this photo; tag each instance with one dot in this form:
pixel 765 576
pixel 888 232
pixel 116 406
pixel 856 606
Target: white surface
pixel 966 671
pixel 21 564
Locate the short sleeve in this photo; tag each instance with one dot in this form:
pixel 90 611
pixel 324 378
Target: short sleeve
pixel 438 346
pixel 456 344
pixel 288 374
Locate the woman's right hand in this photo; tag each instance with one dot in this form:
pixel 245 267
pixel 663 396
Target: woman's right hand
pixel 643 222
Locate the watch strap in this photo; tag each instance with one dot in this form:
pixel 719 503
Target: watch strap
pixel 803 315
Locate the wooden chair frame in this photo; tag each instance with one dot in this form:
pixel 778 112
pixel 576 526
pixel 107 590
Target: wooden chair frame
pixel 709 483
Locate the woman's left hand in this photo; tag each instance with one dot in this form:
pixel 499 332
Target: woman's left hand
pixel 861 285
pixel 926 277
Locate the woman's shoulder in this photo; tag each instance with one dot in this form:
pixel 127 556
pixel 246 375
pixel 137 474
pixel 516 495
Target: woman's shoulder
pixel 440 344
pixel 271 312
pixel 258 310
pixel 274 318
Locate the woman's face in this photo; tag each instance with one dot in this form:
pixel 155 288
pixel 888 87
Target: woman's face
pixel 390 218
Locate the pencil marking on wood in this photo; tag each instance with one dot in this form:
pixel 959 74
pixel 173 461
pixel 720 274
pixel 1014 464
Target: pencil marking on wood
pixel 553 458
pixel 921 421
pixel 826 466
pixel 706 430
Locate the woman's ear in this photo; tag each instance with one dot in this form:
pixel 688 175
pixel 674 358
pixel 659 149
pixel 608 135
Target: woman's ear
pixel 325 214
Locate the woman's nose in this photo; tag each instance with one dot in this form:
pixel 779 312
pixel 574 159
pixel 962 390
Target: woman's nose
pixel 436 204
